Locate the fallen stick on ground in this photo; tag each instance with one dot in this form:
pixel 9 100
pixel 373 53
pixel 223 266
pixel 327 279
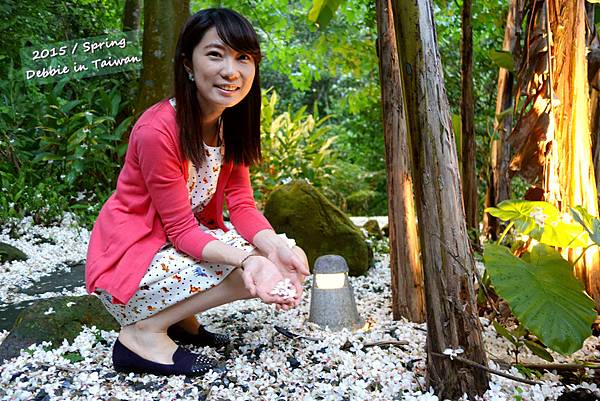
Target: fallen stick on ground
pixel 569 367
pixel 490 370
pixel 384 343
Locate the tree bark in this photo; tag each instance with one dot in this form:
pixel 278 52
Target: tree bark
pixel 593 43
pixel 132 13
pixel 162 23
pixel 467 116
pixel 499 183
pixel 595 130
pixel 569 173
pixel 448 262
pixel 405 263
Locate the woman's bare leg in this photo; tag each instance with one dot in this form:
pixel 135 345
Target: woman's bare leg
pixel 189 324
pixel 148 338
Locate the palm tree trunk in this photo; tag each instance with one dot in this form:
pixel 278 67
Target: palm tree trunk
pixel 569 171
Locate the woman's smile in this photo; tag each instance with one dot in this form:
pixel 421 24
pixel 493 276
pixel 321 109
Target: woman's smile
pixel 228 89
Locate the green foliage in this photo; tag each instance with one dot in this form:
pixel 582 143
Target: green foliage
pixel 555 307
pixel 541 221
pixel 82 136
pixel 322 11
pixel 590 223
pixel 73 357
pixel 47 21
pixel 61 146
pixel 503 59
pixel 295 145
pixel 517 338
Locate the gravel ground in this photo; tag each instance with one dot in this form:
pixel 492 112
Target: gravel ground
pixel 262 364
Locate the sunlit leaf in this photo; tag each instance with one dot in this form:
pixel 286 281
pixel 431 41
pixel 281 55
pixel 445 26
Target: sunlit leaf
pixel 503 59
pixel 541 221
pixel 322 11
pixel 591 223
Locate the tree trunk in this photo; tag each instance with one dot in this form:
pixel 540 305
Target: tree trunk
pixel 448 263
pixel 499 182
pixel 569 173
pixel 595 131
pixel 162 23
pixel 132 13
pixel 593 43
pixel 405 263
pixel 467 116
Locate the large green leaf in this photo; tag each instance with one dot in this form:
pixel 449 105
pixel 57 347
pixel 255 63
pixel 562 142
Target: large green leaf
pixel 503 59
pixel 541 221
pixel 543 295
pixel 322 11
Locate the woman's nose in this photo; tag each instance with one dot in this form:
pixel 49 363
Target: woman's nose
pixel 229 69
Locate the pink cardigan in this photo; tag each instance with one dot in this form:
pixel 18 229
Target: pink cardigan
pixel 151 204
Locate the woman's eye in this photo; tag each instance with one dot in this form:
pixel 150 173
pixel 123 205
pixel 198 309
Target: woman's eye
pixel 214 54
pixel 245 57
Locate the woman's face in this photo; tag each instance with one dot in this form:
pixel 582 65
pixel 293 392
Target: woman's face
pixel 223 76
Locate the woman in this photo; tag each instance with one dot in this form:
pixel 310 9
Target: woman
pixel 159 252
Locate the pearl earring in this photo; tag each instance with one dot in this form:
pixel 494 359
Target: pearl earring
pixel 191 76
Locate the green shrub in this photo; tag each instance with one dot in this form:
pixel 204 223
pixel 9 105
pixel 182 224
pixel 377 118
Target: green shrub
pixel 61 145
pixel 554 306
pixel 294 146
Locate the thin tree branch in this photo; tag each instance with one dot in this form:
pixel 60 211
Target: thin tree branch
pixel 490 370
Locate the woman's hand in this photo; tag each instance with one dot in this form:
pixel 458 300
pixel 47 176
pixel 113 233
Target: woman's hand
pixel 260 276
pixel 291 266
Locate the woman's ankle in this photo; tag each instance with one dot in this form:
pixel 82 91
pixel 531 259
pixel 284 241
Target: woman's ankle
pixel 148 326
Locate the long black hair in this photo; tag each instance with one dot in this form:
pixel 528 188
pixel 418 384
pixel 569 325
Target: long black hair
pixel 241 123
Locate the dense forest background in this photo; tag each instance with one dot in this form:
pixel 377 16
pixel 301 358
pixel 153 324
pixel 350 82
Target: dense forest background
pixel 62 144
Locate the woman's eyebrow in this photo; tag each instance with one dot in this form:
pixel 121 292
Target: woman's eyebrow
pixel 215 44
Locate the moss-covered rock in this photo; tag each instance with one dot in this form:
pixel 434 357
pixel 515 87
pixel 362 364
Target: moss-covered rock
pixel 8 253
pixel 317 225
pixel 372 227
pixel 69 315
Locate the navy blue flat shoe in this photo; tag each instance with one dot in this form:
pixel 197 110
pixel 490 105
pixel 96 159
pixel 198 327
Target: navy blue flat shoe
pixel 184 363
pixel 203 338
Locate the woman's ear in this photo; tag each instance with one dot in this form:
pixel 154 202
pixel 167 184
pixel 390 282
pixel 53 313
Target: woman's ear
pixel 187 65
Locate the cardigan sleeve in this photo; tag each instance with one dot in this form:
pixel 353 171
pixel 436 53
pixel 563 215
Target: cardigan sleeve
pixel 161 170
pixel 246 219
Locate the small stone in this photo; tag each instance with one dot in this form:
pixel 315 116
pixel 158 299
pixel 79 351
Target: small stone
pixel 294 363
pixel 42 396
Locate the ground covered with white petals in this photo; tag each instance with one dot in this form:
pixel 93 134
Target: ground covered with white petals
pixel 262 364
